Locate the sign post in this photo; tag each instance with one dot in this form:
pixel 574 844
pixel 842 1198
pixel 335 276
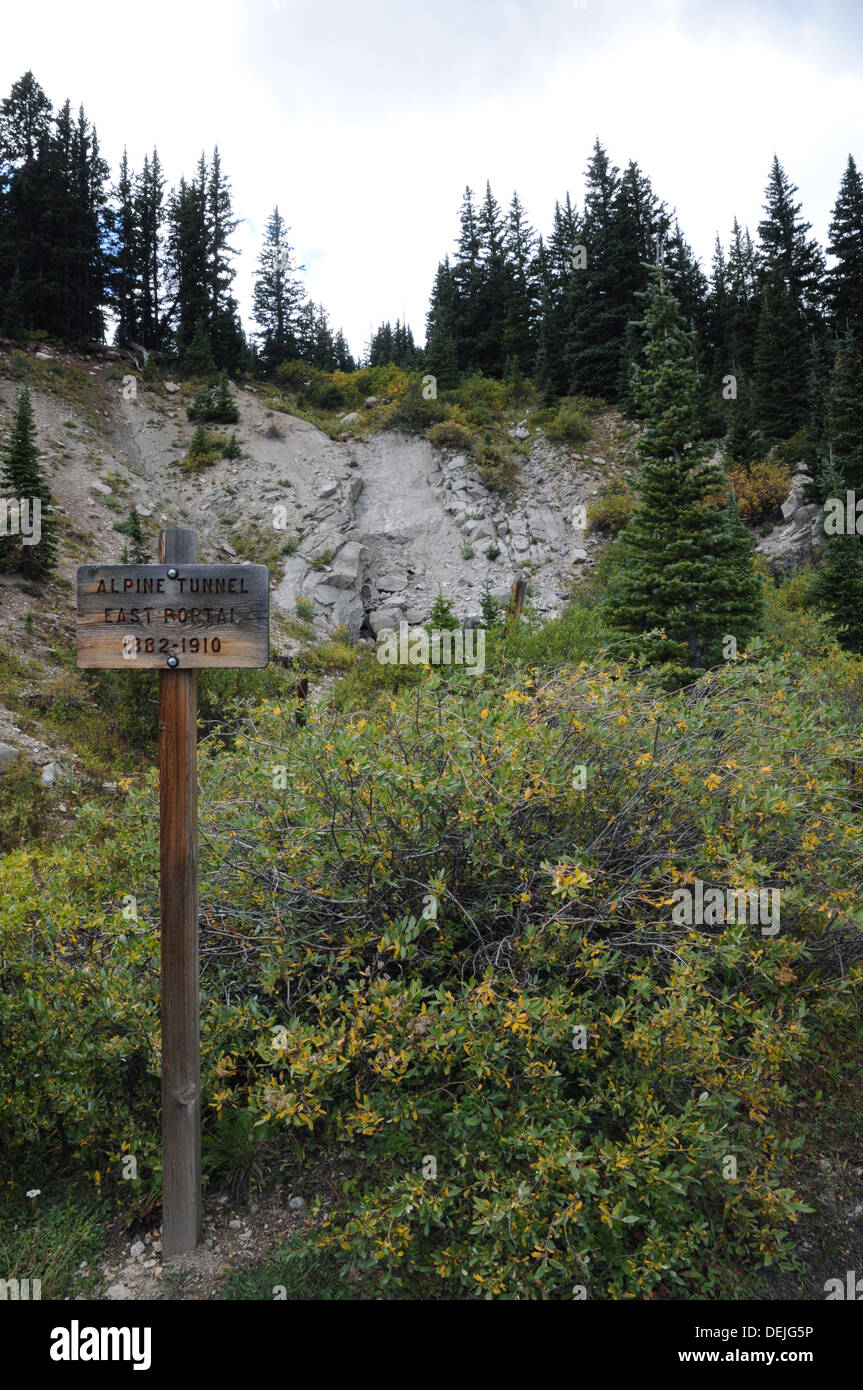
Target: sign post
pixel 176 617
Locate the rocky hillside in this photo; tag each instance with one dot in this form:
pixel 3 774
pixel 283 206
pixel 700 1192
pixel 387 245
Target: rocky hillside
pixel 364 530
pixel 373 527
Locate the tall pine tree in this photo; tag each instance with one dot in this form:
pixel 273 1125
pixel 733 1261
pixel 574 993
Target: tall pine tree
pixel 685 581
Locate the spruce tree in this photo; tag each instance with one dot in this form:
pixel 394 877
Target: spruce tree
pixel 22 480
pixel 845 278
pixel 787 255
pixel 495 289
pixel 133 527
pixel 151 216
pixel 278 294
pixel 685 581
pixel 520 246
pixel 467 279
pixel 127 264
pixel 838 585
pixel 441 352
pixel 845 411
pixel 780 375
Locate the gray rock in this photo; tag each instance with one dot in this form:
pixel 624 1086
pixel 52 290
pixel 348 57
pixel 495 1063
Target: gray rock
pixel 480 531
pixel 383 618
pixel 577 556
pixel 325 593
pixel 101 487
pixel 348 611
pixel 117 1291
pixel 329 489
pixel 519 431
pixel 171 387
pixel 8 756
pixel 391 583
pixel 50 773
pixel 351 416
pixel 137 1250
pixel 296 1203
pixel 44 356
pixel 370 401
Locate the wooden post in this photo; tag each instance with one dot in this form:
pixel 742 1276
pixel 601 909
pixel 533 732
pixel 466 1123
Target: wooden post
pixel 516 603
pixel 178 854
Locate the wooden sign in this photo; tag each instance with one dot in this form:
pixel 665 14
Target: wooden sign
pixel 174 616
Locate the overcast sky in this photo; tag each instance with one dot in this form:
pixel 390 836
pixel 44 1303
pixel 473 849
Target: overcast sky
pixel 365 119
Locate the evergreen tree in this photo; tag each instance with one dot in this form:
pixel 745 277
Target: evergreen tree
pixel 685 581
pixel 845 411
pixel 495 291
pixel 845 278
pixel 23 480
pixel 555 287
pixel 397 346
pixel 466 280
pixel 441 352
pixel 226 334
pixel 278 294
pixel 133 527
pixel 838 586
pixel 25 123
pixel 742 302
pixel 342 353
pixel 187 263
pixel 742 443
pixel 623 223
pixel 781 370
pixel 596 313
pixel 127 265
pixel 787 255
pixel 149 221
pixel 520 248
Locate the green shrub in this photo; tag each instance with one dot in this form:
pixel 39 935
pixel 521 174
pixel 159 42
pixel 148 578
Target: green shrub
pixel 405 946
pixel 411 411
pixel 215 405
pixel 760 490
pixel 448 434
pixel 609 513
pixel 305 609
pixel 24 806
pixel 569 423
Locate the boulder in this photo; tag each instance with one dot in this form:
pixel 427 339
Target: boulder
pixel 350 418
pixel 519 431
pixel 8 756
pixel 480 531
pixel 370 401
pixel 50 773
pixel 101 487
pixel 329 489
pixel 347 567
pixel 348 611
pixel 577 556
pixel 171 387
pixel 383 618
pixel 392 583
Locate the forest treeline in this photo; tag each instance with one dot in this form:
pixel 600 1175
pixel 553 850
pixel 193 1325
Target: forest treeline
pixel 775 333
